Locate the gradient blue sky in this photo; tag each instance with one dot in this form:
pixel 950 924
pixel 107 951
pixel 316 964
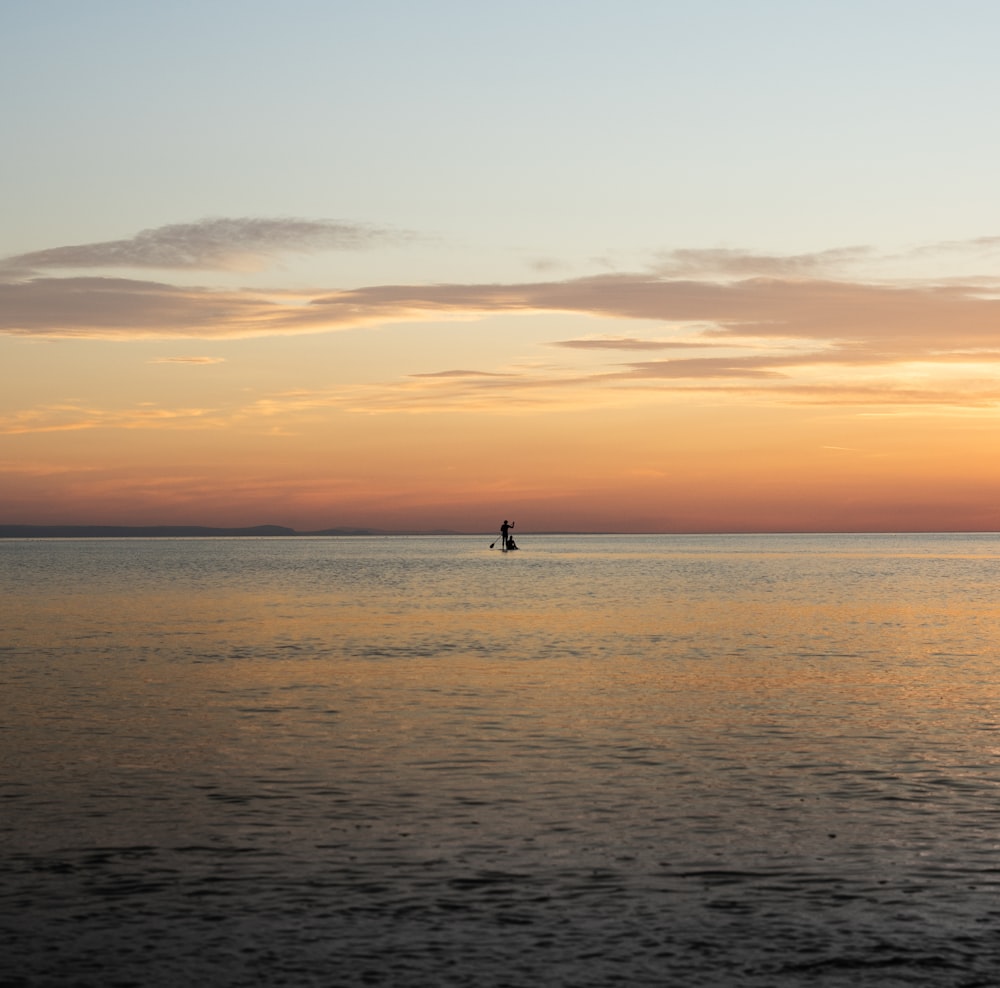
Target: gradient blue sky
pixel 620 226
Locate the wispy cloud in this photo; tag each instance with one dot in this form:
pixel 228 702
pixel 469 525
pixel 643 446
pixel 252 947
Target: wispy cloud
pixel 222 243
pixel 124 308
pixel 730 327
pixel 461 374
pixel 69 417
pixel 188 360
pixel 721 380
pixel 696 368
pixel 875 321
pixel 724 263
pixel 970 246
pixel 624 343
pixel 854 313
pixel 736 263
pixel 36 468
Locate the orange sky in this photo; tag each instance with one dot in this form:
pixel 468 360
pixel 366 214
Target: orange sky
pixel 212 443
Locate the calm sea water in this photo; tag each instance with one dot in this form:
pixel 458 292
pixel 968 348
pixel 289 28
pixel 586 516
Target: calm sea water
pixel 672 760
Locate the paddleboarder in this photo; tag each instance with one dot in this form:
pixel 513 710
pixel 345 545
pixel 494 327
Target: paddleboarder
pixel 504 529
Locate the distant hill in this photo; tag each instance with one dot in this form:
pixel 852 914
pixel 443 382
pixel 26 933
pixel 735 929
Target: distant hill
pixel 176 532
pixel 382 531
pixel 129 531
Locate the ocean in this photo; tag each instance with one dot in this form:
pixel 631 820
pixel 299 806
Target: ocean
pixel 766 760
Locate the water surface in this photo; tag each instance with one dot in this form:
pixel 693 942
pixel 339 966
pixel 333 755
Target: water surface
pixel 768 760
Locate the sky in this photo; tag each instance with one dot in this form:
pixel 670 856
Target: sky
pixel 630 266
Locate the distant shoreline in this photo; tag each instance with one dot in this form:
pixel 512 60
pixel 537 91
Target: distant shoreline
pixel 183 531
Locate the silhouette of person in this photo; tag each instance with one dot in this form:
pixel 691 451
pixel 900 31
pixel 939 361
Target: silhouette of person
pixel 504 529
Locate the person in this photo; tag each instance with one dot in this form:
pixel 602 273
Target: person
pixel 504 529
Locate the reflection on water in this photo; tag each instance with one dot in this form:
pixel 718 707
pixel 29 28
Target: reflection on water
pixel 671 760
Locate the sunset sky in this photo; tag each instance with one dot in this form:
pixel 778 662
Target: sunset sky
pixel 649 265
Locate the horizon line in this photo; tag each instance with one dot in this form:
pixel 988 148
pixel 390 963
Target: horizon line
pixel 59 530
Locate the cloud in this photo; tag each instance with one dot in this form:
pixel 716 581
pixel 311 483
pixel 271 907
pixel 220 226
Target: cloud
pixel 880 321
pixel 703 367
pixel 123 308
pixel 730 263
pixel 69 417
pixel 725 380
pixel 460 373
pixel 224 244
pixel 853 320
pixel 36 468
pixel 728 322
pixel 188 360
pixel 623 343
pixel 973 245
